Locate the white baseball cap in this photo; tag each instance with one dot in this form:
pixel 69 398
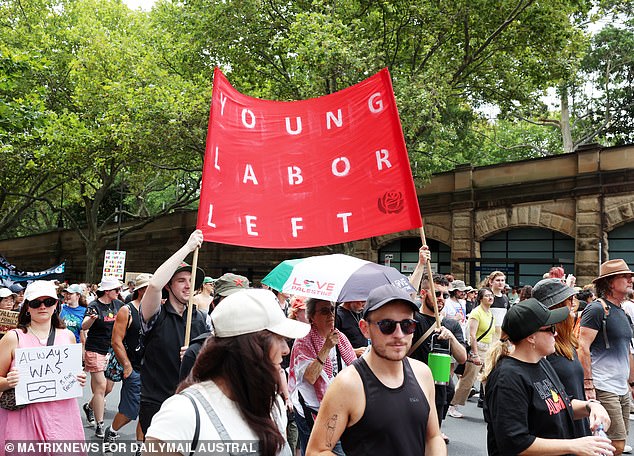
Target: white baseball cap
pixel 109 283
pixel 40 288
pixel 5 293
pixel 252 310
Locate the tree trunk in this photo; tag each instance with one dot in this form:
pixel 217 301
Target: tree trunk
pixel 92 251
pixel 566 133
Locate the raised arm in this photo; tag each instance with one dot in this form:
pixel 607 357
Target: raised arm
pixel 417 275
pixel 152 298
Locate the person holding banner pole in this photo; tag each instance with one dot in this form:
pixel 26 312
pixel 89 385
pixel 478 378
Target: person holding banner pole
pixel 164 327
pixel 38 325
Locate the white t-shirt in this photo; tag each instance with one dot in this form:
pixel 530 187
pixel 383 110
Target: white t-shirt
pixel 176 421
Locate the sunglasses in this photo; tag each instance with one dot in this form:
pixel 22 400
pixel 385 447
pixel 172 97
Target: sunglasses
pixel 48 302
pixel 550 329
pixel 326 311
pixel 444 295
pixel 387 327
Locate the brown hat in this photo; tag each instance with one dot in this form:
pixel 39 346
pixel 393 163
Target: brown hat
pixel 613 267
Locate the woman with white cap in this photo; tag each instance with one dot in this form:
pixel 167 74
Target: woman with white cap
pixel 526 409
pixel 233 390
pixel 555 294
pixel 38 325
pixel 99 320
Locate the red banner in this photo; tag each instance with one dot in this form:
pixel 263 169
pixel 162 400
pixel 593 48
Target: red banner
pixel 306 173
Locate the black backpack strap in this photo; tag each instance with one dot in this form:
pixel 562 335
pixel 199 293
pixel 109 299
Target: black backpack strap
pixel 197 430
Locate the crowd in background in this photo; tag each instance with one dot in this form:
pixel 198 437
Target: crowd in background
pixel 141 325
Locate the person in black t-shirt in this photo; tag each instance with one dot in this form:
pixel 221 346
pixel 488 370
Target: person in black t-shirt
pixel 347 318
pixel 449 336
pixel 99 320
pixel 526 406
pixel 163 326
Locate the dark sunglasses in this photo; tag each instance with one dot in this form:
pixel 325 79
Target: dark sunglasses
pixel 444 295
pixel 550 329
pixel 48 302
pixel 326 310
pixel 387 327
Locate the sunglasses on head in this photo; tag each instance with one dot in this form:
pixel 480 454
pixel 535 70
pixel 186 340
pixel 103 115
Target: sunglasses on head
pixel 550 329
pixel 326 310
pixel 444 295
pixel 387 327
pixel 48 302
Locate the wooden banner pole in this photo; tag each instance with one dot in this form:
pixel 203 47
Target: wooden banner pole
pixel 430 275
pixel 190 306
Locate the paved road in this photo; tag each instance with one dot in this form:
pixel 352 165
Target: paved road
pixel 467 435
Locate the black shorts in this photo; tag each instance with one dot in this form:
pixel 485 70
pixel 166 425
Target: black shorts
pixel 147 410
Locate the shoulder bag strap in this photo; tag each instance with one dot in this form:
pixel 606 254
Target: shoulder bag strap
pixel 197 430
pixel 51 336
pixel 421 339
pixel 487 331
pixel 213 416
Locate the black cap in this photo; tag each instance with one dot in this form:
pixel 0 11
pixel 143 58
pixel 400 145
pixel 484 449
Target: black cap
pixel 526 317
pixel 385 294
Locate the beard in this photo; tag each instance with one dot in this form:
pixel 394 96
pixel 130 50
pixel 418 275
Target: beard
pixel 384 352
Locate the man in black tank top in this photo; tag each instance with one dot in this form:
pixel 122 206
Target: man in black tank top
pixel 383 403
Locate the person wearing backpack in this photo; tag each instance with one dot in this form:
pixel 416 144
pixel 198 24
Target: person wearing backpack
pixel 604 348
pixel 125 339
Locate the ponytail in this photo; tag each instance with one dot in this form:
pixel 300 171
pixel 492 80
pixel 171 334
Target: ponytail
pixel 497 351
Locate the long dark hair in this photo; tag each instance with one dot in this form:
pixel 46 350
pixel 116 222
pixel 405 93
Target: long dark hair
pixel 24 318
pixel 242 362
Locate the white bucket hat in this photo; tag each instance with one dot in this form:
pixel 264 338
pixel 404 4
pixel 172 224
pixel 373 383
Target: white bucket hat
pixel 109 283
pixel 252 310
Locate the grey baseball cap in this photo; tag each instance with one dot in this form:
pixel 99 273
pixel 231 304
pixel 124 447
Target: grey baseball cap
pixel 384 295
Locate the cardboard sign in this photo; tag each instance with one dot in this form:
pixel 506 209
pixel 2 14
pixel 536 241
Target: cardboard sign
pixel 114 263
pixel 48 373
pixel 8 320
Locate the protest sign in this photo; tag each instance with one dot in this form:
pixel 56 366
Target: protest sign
pixel 8 320
pixel 48 373
pixel 114 263
pixel 306 173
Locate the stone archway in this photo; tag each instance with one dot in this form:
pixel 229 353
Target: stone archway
pixel 557 216
pixel 618 211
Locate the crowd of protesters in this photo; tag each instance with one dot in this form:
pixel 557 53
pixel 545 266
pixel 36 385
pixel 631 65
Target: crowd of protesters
pixel 306 376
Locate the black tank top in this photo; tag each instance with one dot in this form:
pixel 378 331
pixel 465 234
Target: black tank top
pixel 131 339
pixel 394 420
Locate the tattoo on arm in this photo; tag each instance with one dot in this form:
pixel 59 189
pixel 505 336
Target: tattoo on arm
pixel 330 430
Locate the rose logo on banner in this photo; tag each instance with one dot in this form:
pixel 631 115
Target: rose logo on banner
pixel 306 173
pixel 391 203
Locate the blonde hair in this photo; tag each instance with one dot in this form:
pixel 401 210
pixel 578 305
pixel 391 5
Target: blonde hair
pixel 497 350
pixel 488 279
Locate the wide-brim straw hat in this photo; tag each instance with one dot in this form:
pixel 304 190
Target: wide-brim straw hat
pixel 613 267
